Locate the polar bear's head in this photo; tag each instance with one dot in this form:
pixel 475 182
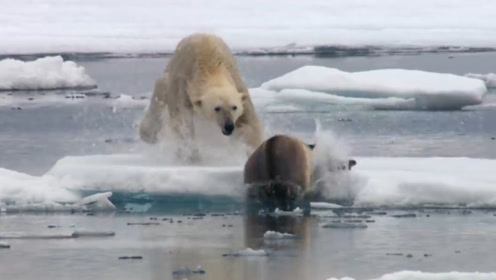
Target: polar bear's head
pixel 221 105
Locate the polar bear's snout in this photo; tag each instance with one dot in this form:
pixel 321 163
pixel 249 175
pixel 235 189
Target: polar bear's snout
pixel 228 127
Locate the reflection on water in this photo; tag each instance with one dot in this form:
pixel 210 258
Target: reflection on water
pixel 319 253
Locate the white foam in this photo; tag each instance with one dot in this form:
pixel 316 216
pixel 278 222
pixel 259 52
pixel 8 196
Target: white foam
pixel 412 89
pixel 294 25
pixel 50 72
pixel 418 275
pixel 489 78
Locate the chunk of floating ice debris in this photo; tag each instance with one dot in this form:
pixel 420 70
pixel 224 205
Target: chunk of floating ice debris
pixel 130 258
pixel 144 224
pixel 89 233
pixel 247 252
pixel 394 254
pixel 278 235
pixel 4 245
pixel 345 225
pixel 98 201
pixel 409 215
pixel 324 205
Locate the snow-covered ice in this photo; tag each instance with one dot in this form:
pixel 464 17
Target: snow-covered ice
pixel 489 78
pixel 46 73
pixel 156 26
pixel 418 275
pixel 383 88
pixel 424 181
pixel 278 235
pixel 375 181
pixel 137 173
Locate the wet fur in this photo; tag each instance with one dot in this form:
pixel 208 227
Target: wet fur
pixel 279 174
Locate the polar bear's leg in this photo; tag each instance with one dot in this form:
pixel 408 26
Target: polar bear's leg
pixel 152 122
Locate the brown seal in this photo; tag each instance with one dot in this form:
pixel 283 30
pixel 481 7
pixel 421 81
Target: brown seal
pixel 279 174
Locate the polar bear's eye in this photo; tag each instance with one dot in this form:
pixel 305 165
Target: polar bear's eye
pixel 217 109
pixel 235 108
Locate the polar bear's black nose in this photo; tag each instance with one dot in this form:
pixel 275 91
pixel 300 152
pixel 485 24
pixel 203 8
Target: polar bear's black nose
pixel 228 128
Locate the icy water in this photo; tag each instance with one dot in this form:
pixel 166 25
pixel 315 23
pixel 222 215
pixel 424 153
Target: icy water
pixel 434 241
pixel 35 137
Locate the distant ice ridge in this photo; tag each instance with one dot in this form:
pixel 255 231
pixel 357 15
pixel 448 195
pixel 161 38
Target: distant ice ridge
pixel 489 79
pixel 50 72
pixel 417 275
pixel 294 26
pixel 380 89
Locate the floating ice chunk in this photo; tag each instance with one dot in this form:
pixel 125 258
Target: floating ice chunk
pixel 248 252
pixel 96 202
pixel 417 275
pixel 50 72
pixel 4 245
pixel 489 79
pixel 428 90
pixel 278 235
pixel 424 181
pixel 23 189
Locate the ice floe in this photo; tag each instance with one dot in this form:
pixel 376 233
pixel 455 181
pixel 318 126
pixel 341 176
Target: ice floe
pixel 381 89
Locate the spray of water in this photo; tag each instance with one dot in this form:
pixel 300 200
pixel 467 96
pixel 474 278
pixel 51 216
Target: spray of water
pixel 331 178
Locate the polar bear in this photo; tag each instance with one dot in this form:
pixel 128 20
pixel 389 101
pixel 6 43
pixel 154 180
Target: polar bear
pixel 202 80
